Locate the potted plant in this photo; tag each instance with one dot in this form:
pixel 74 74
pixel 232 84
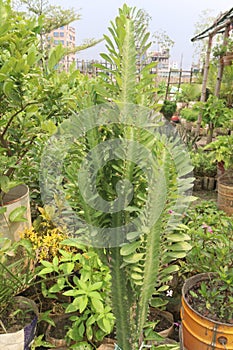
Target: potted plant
pixel 222 149
pixel 24 123
pixel 19 124
pixel 168 109
pixel 19 314
pixel 214 113
pixel 126 143
pixel 206 311
pixel 189 117
pixel 205 169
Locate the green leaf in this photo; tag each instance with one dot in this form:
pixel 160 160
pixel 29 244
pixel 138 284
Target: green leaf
pixel 72 308
pixel 129 248
pixel 83 301
pixel 97 304
pixel 3 210
pixel 46 271
pixel 17 215
pixel 95 286
pixel 4 183
pixel 158 302
pixel 170 269
pixel 180 246
pixel 136 276
pixel 134 258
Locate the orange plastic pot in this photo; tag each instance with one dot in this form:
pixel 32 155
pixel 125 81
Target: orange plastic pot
pixel 199 332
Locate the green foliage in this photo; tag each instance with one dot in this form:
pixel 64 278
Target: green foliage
pixel 220 50
pixel 211 232
pixel 214 111
pixel 214 114
pixel 222 150
pixel 35 98
pixel 189 92
pixel 226 92
pixel 204 163
pixel 168 109
pixel 143 264
pixel 189 114
pixel 211 238
pixel 215 295
pixel 16 269
pixel 81 276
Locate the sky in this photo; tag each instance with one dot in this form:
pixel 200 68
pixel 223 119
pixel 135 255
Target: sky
pixel 177 18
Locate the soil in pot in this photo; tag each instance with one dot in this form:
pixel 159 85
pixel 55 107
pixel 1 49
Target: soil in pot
pixel 19 313
pixel 18 324
pixel 214 312
pixel 56 335
pixel 165 321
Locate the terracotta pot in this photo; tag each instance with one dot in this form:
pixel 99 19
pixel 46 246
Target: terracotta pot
pixel 199 332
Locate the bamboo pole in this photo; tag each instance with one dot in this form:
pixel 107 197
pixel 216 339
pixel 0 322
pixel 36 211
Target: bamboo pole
pixel 204 83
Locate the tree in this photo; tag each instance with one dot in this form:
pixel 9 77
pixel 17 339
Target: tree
pixel 204 22
pixel 162 39
pixel 53 18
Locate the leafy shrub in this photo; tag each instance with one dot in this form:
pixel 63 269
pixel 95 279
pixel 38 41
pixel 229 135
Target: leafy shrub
pixel 211 232
pixel 189 114
pixel 204 163
pixel 168 109
pixel 81 276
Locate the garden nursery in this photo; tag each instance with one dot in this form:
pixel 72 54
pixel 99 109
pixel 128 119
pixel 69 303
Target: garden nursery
pixel 116 198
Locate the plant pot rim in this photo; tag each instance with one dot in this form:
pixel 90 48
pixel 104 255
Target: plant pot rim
pixel 11 197
pixel 189 283
pixel 226 178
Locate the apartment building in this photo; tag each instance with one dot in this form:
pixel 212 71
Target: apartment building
pixel 65 36
pixel 162 59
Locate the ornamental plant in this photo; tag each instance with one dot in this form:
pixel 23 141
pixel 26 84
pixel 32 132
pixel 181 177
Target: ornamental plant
pixel 80 276
pixel 211 232
pixel 35 97
pixel 214 113
pixel 44 236
pixel 123 143
pixel 222 150
pixel 204 163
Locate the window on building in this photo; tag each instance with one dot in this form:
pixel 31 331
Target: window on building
pixel 55 34
pixel 62 34
pixel 56 42
pixel 62 27
pixel 62 42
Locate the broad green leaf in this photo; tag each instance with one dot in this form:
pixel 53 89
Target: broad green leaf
pixel 129 248
pixel 4 183
pixel 97 304
pixel 134 258
pixel 17 215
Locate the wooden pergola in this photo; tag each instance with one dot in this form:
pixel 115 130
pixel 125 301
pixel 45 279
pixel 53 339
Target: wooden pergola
pixel 223 24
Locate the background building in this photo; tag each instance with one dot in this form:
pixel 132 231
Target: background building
pixel 65 36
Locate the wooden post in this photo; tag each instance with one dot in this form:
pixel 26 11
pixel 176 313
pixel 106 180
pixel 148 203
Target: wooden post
pixel 204 83
pixel 221 65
